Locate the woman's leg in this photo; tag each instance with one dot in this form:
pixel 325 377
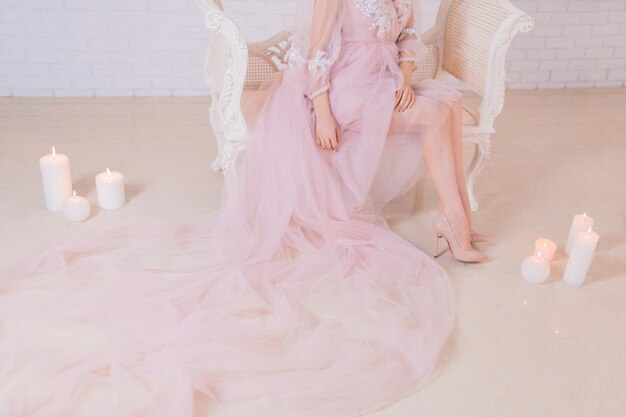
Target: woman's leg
pixel 457 145
pixel 441 162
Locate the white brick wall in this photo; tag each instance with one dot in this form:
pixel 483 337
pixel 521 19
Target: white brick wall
pixel 575 43
pixel 157 47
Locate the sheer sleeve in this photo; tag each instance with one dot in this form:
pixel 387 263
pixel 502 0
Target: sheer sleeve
pixel 411 47
pixel 317 44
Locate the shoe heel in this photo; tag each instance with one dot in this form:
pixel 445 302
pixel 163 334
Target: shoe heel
pixel 438 236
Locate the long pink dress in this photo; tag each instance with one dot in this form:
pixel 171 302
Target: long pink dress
pixel 294 300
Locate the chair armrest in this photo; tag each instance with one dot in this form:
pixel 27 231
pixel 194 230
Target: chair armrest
pixel 476 38
pixel 209 5
pixel 225 70
pixel 275 47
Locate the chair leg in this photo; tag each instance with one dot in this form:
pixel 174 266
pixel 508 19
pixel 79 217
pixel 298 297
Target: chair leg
pixel 219 137
pixel 482 155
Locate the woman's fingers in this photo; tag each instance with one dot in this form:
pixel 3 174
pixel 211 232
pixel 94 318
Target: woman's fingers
pixel 407 102
pixel 328 143
pixel 411 102
pixel 398 100
pixel 329 139
pixel 337 138
pixel 333 141
pixel 404 101
pixel 399 94
pixel 405 98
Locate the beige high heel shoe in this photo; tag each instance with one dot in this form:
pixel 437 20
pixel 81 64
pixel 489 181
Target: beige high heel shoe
pixel 443 230
pixel 475 237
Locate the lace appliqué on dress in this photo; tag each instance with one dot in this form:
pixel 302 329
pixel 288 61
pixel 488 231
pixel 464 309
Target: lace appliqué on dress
pixel 381 11
pixel 321 61
pixel 408 31
pixel 403 8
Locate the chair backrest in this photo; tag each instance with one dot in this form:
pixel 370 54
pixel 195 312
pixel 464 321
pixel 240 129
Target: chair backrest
pixel 476 37
pixel 225 70
pixel 469 33
pixel 267 57
pixel 429 65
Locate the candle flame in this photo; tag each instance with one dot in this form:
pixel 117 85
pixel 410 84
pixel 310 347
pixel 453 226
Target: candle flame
pixel 54 153
pixel 545 245
pixel 525 302
pixel 108 172
pixel 589 231
pixel 585 214
pixel 74 194
pixel 539 255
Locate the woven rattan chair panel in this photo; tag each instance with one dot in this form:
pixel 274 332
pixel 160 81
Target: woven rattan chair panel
pixel 469 33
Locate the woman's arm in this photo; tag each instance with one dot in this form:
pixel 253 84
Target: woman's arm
pixel 323 51
pixel 407 68
pixel 411 52
pixel 411 47
pixel 326 129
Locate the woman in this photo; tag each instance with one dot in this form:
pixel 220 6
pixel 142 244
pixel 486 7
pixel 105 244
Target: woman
pixel 295 299
pixel 352 51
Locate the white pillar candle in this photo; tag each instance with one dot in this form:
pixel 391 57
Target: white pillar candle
pixel 546 247
pixel 581 222
pixel 76 208
pixel 583 252
pixel 56 180
pixel 110 190
pixel 535 268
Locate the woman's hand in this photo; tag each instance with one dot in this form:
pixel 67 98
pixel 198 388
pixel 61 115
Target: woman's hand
pixel 405 98
pixel 326 128
pixel 327 131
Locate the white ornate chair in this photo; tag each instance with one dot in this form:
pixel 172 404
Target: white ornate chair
pixel 468 41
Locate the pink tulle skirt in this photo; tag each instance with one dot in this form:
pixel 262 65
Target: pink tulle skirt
pixel 294 300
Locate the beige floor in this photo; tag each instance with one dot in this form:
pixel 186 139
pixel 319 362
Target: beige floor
pixel 556 153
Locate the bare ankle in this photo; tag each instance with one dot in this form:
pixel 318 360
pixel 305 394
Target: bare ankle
pixel 460 226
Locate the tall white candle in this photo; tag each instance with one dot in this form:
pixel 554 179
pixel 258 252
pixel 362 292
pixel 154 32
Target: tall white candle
pixel 110 190
pixel 583 252
pixel 581 222
pixel 56 180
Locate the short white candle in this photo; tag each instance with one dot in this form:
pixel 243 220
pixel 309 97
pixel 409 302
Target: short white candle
pixel 56 180
pixel 583 252
pixel 76 208
pixel 546 247
pixel 581 222
pixel 535 268
pixel 110 190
